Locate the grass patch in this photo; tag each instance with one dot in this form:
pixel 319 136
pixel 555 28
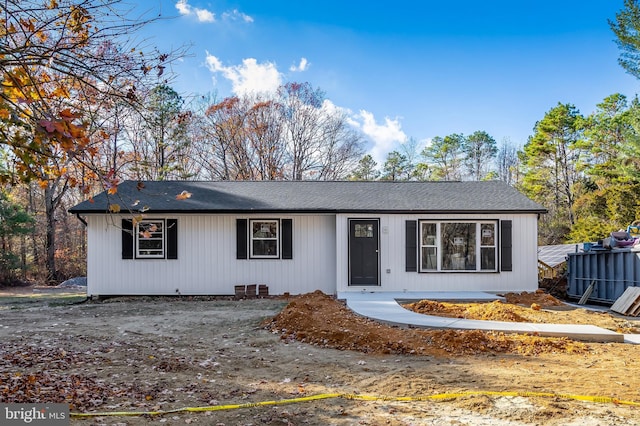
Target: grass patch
pixel 24 301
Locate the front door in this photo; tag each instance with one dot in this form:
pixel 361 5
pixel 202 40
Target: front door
pixel 364 252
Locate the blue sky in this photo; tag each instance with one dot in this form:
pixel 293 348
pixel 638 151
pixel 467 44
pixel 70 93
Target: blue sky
pixel 404 69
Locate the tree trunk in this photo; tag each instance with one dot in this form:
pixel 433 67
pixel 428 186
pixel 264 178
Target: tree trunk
pixel 50 244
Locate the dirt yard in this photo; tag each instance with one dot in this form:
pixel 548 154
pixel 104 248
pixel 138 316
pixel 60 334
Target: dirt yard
pixel 151 354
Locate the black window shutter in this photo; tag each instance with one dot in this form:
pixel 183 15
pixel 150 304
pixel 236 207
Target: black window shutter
pixel 172 238
pixel 287 238
pixel 127 239
pixel 506 249
pixel 241 239
pixel 411 246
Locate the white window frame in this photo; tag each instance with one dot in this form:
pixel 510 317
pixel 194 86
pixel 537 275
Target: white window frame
pixel 253 238
pixel 435 246
pixel 487 246
pixel 440 249
pixel 140 229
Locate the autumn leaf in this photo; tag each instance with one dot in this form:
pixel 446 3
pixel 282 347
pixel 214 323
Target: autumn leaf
pixel 183 195
pixel 136 220
pixel 67 115
pixel 4 114
pixel 114 208
pixel 145 234
pixel 48 125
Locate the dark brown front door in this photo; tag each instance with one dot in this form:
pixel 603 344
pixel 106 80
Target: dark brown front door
pixel 364 252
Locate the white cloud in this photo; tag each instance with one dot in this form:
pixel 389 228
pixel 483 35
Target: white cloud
pixel 183 7
pixel 248 77
pixel 235 14
pixel 384 136
pixel 203 15
pixel 304 64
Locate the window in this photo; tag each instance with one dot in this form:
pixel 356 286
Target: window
pixel 458 246
pixel 264 238
pixel 429 247
pixel 488 246
pixel 150 239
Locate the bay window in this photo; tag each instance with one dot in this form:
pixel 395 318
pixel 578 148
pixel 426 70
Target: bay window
pixel 458 246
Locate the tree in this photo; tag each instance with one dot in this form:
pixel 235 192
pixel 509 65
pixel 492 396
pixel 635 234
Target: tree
pixel 396 167
pixel 320 142
pixel 442 156
pixel 264 132
pixel 626 27
pixel 606 132
pixel 160 152
pixel 294 134
pixel 366 169
pixel 551 175
pixel 507 162
pixel 60 63
pixel 479 149
pixel 14 222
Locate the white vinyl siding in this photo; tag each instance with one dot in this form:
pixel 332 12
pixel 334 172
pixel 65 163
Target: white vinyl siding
pixel 394 276
pixel 207 263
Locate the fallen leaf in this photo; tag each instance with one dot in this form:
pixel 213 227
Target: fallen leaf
pixel 183 195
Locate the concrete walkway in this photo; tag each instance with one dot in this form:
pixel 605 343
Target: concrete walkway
pixel 384 307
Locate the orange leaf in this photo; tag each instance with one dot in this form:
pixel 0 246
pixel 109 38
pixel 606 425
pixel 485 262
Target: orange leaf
pixel 136 220
pixel 66 114
pixel 114 208
pixel 183 195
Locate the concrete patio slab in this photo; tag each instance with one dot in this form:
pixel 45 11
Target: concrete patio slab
pixel 384 307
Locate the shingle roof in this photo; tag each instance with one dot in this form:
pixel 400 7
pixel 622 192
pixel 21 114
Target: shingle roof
pixel 313 196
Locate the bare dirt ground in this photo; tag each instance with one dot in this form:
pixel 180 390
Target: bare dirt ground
pixel 149 354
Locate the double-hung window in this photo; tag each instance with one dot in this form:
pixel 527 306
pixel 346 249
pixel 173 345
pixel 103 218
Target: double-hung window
pixel 452 246
pixel 265 235
pixel 150 239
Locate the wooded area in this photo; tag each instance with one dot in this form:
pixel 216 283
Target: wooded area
pixel 84 106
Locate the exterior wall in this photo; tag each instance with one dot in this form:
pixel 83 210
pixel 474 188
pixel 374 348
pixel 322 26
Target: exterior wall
pixel 393 276
pixel 207 263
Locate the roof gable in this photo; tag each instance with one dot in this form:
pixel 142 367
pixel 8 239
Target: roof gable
pixel 313 196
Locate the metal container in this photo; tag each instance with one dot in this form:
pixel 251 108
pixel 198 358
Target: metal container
pixel 612 271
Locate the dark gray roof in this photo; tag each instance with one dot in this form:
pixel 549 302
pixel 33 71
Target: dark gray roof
pixel 313 196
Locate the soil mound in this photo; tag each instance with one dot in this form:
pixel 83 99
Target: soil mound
pixel 319 319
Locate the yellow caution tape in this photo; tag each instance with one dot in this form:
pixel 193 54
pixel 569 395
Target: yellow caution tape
pixel 437 397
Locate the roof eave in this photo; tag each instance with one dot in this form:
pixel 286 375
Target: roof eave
pixel 313 211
